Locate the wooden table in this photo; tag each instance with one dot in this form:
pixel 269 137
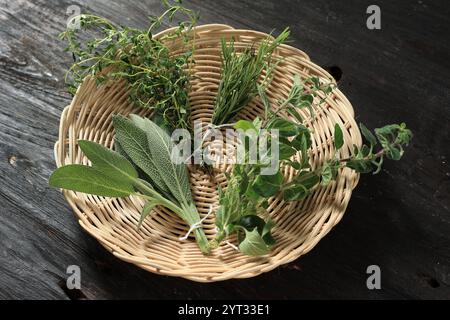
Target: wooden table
pixel 398 220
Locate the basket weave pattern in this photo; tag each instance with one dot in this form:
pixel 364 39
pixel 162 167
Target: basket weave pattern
pixel 156 246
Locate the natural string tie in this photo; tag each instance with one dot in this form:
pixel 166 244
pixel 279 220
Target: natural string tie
pixel 196 225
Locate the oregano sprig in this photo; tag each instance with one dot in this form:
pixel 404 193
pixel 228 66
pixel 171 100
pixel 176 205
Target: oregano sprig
pixel 244 202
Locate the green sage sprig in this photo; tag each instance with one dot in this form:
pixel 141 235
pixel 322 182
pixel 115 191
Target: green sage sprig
pixel 159 180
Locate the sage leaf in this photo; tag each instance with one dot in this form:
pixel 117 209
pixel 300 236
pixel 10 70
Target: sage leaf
pixel 107 161
pixel 175 176
pixel 133 140
pixel 122 152
pixel 146 210
pixel 150 148
pixel 89 180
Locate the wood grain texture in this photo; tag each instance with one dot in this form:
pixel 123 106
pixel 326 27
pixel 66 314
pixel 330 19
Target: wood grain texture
pixel 399 220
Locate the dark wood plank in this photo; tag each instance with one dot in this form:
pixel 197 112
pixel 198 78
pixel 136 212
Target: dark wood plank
pixel 399 220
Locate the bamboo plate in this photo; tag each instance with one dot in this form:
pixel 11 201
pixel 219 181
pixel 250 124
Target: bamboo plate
pixel 156 247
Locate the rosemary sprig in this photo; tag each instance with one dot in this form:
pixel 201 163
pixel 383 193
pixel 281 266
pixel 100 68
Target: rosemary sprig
pixel 240 74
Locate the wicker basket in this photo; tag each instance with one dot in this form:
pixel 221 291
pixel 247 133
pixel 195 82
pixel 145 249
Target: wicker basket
pixel 156 246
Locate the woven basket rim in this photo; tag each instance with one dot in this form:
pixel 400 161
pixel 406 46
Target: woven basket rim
pixel 65 151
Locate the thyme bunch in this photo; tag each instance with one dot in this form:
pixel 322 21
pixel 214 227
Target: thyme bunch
pixel 155 78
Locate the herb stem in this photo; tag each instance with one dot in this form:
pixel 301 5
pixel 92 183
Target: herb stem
pixel 150 193
pixel 377 155
pixel 188 212
pixel 214 243
pixel 191 216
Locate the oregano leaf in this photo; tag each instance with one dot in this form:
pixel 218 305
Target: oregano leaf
pixel 338 137
pixel 285 127
pixel 295 192
pixel 253 244
pixel 326 174
pixel 251 222
pixel 369 136
pixel 267 233
pixel 268 185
